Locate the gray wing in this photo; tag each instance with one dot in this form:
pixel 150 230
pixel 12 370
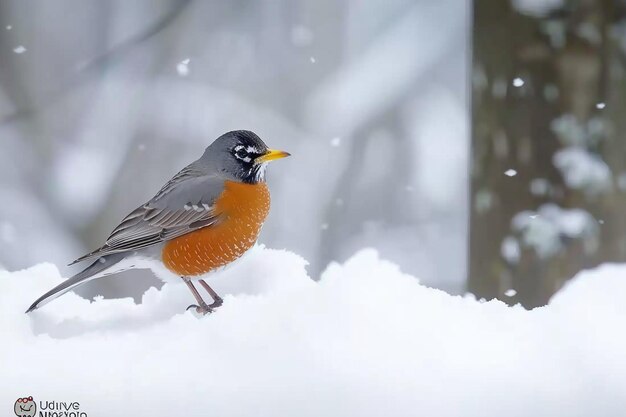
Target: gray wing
pixel 186 203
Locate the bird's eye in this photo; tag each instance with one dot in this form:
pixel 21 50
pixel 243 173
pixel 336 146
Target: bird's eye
pixel 241 153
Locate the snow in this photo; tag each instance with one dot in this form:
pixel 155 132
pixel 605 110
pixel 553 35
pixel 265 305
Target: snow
pixel 510 250
pixel 600 106
pixel 545 229
pixel 510 292
pixel 366 340
pixel 571 132
pixel 183 67
pixel 537 8
pixel 518 82
pixel 510 173
pixel 583 170
pixel 19 49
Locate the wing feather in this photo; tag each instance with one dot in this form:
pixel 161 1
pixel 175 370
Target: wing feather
pixel 186 203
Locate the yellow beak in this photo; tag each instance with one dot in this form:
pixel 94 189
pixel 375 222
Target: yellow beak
pixel 271 155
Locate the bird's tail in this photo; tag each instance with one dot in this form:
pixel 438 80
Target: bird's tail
pixel 91 272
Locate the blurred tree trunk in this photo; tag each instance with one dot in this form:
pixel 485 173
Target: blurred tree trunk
pixel 531 75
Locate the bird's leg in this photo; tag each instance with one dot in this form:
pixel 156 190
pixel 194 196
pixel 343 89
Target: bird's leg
pixel 217 300
pixel 201 307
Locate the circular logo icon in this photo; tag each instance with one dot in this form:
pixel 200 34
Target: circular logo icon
pixel 25 407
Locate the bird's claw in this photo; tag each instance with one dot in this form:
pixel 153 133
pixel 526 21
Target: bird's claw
pixel 216 303
pixel 200 309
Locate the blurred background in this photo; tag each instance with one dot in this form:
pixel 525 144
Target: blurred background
pixel 477 145
pixel 102 102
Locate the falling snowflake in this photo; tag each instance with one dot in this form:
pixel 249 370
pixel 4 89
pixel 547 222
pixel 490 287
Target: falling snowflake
pixel 518 82
pixel 19 50
pixel 510 173
pixel 183 67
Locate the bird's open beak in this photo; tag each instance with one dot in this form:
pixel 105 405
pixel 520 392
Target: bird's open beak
pixel 271 155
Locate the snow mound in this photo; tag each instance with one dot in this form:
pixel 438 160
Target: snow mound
pixel 366 340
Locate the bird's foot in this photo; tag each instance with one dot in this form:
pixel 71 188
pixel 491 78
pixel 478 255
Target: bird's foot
pixel 203 309
pixel 217 302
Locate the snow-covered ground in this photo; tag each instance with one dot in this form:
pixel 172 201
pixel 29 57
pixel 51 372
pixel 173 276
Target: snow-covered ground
pixel 366 340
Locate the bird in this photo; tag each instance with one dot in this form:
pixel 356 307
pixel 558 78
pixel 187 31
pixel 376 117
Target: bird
pixel 201 221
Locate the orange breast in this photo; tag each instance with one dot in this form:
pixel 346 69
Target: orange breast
pixel 243 209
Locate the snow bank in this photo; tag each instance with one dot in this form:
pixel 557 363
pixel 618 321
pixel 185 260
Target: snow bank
pixel 366 340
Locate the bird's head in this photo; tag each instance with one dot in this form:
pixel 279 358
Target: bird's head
pixel 240 156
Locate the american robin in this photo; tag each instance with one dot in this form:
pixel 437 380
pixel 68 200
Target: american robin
pixel 204 218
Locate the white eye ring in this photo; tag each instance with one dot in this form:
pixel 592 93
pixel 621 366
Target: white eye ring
pixel 242 154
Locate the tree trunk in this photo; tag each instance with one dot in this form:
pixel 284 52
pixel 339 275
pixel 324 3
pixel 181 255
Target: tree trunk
pixel 542 86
